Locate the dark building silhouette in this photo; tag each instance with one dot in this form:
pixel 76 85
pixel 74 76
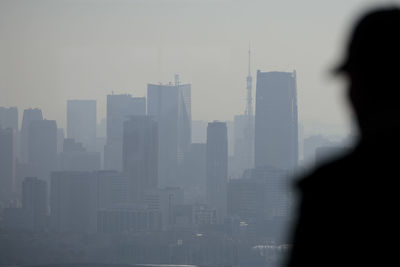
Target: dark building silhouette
pixel 140 155
pixel 276 133
pixel 170 105
pixel 28 116
pixel 42 150
pixel 34 203
pixel 119 109
pixel 7 164
pixel 217 167
pixel 82 122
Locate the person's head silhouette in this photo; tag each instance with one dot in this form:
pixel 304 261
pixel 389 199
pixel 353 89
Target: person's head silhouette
pixel 372 65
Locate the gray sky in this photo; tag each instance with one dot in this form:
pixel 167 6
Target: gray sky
pixel 51 51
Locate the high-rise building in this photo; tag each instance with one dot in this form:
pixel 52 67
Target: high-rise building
pixel 73 202
pixel 140 155
pixel 119 109
pixel 34 203
pixel 170 105
pixel 164 201
pixel 112 188
pixel 9 118
pixel 7 164
pixel 217 167
pixel 76 158
pixel 276 129
pixel 82 122
pixel 193 174
pixel 43 147
pixel 28 116
pixel 243 148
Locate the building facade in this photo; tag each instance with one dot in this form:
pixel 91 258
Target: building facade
pixel 82 122
pixel 29 116
pixel 276 126
pixel 140 155
pixel 170 106
pixel 217 168
pixel 119 109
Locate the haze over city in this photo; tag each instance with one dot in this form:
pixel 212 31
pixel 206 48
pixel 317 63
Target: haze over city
pixel 87 49
pixel 191 133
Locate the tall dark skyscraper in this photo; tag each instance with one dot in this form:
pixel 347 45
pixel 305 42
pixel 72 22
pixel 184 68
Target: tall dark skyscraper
pixel 217 167
pixel 119 109
pixel 82 122
pixel 43 147
pixel 140 155
pixel 170 105
pixel 276 130
pixel 9 118
pixel 7 164
pixel 28 116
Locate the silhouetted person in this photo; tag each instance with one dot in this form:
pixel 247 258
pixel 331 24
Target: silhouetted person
pixel 349 208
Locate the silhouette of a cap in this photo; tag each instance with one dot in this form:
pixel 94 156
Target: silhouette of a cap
pixel 374 45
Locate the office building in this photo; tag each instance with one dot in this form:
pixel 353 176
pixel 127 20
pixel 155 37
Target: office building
pixel 34 203
pixel 112 188
pixel 243 144
pixel 7 164
pixel 9 118
pixel 43 147
pixel 119 109
pixel 128 218
pixel 164 201
pixel 82 122
pixel 217 168
pixel 29 116
pixel 170 105
pixel 73 202
pixel 76 158
pixel 193 174
pixel 276 129
pixel 140 155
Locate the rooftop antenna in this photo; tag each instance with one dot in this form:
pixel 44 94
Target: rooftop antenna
pixel 249 85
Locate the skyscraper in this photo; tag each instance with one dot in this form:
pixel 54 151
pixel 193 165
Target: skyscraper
pixel 140 155
pixel 28 116
pixel 119 109
pixel 74 201
pixel 276 133
pixel 7 164
pixel 82 122
pixel 34 202
pixel 9 118
pixel 217 167
pixel 75 157
pixel 170 105
pixel 43 147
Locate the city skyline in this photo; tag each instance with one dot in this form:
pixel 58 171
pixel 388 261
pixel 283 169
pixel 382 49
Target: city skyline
pixel 174 132
pixel 132 57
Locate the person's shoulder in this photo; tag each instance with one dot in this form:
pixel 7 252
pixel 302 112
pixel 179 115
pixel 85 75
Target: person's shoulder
pixel 329 174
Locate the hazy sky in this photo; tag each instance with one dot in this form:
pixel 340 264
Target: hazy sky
pixel 51 51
